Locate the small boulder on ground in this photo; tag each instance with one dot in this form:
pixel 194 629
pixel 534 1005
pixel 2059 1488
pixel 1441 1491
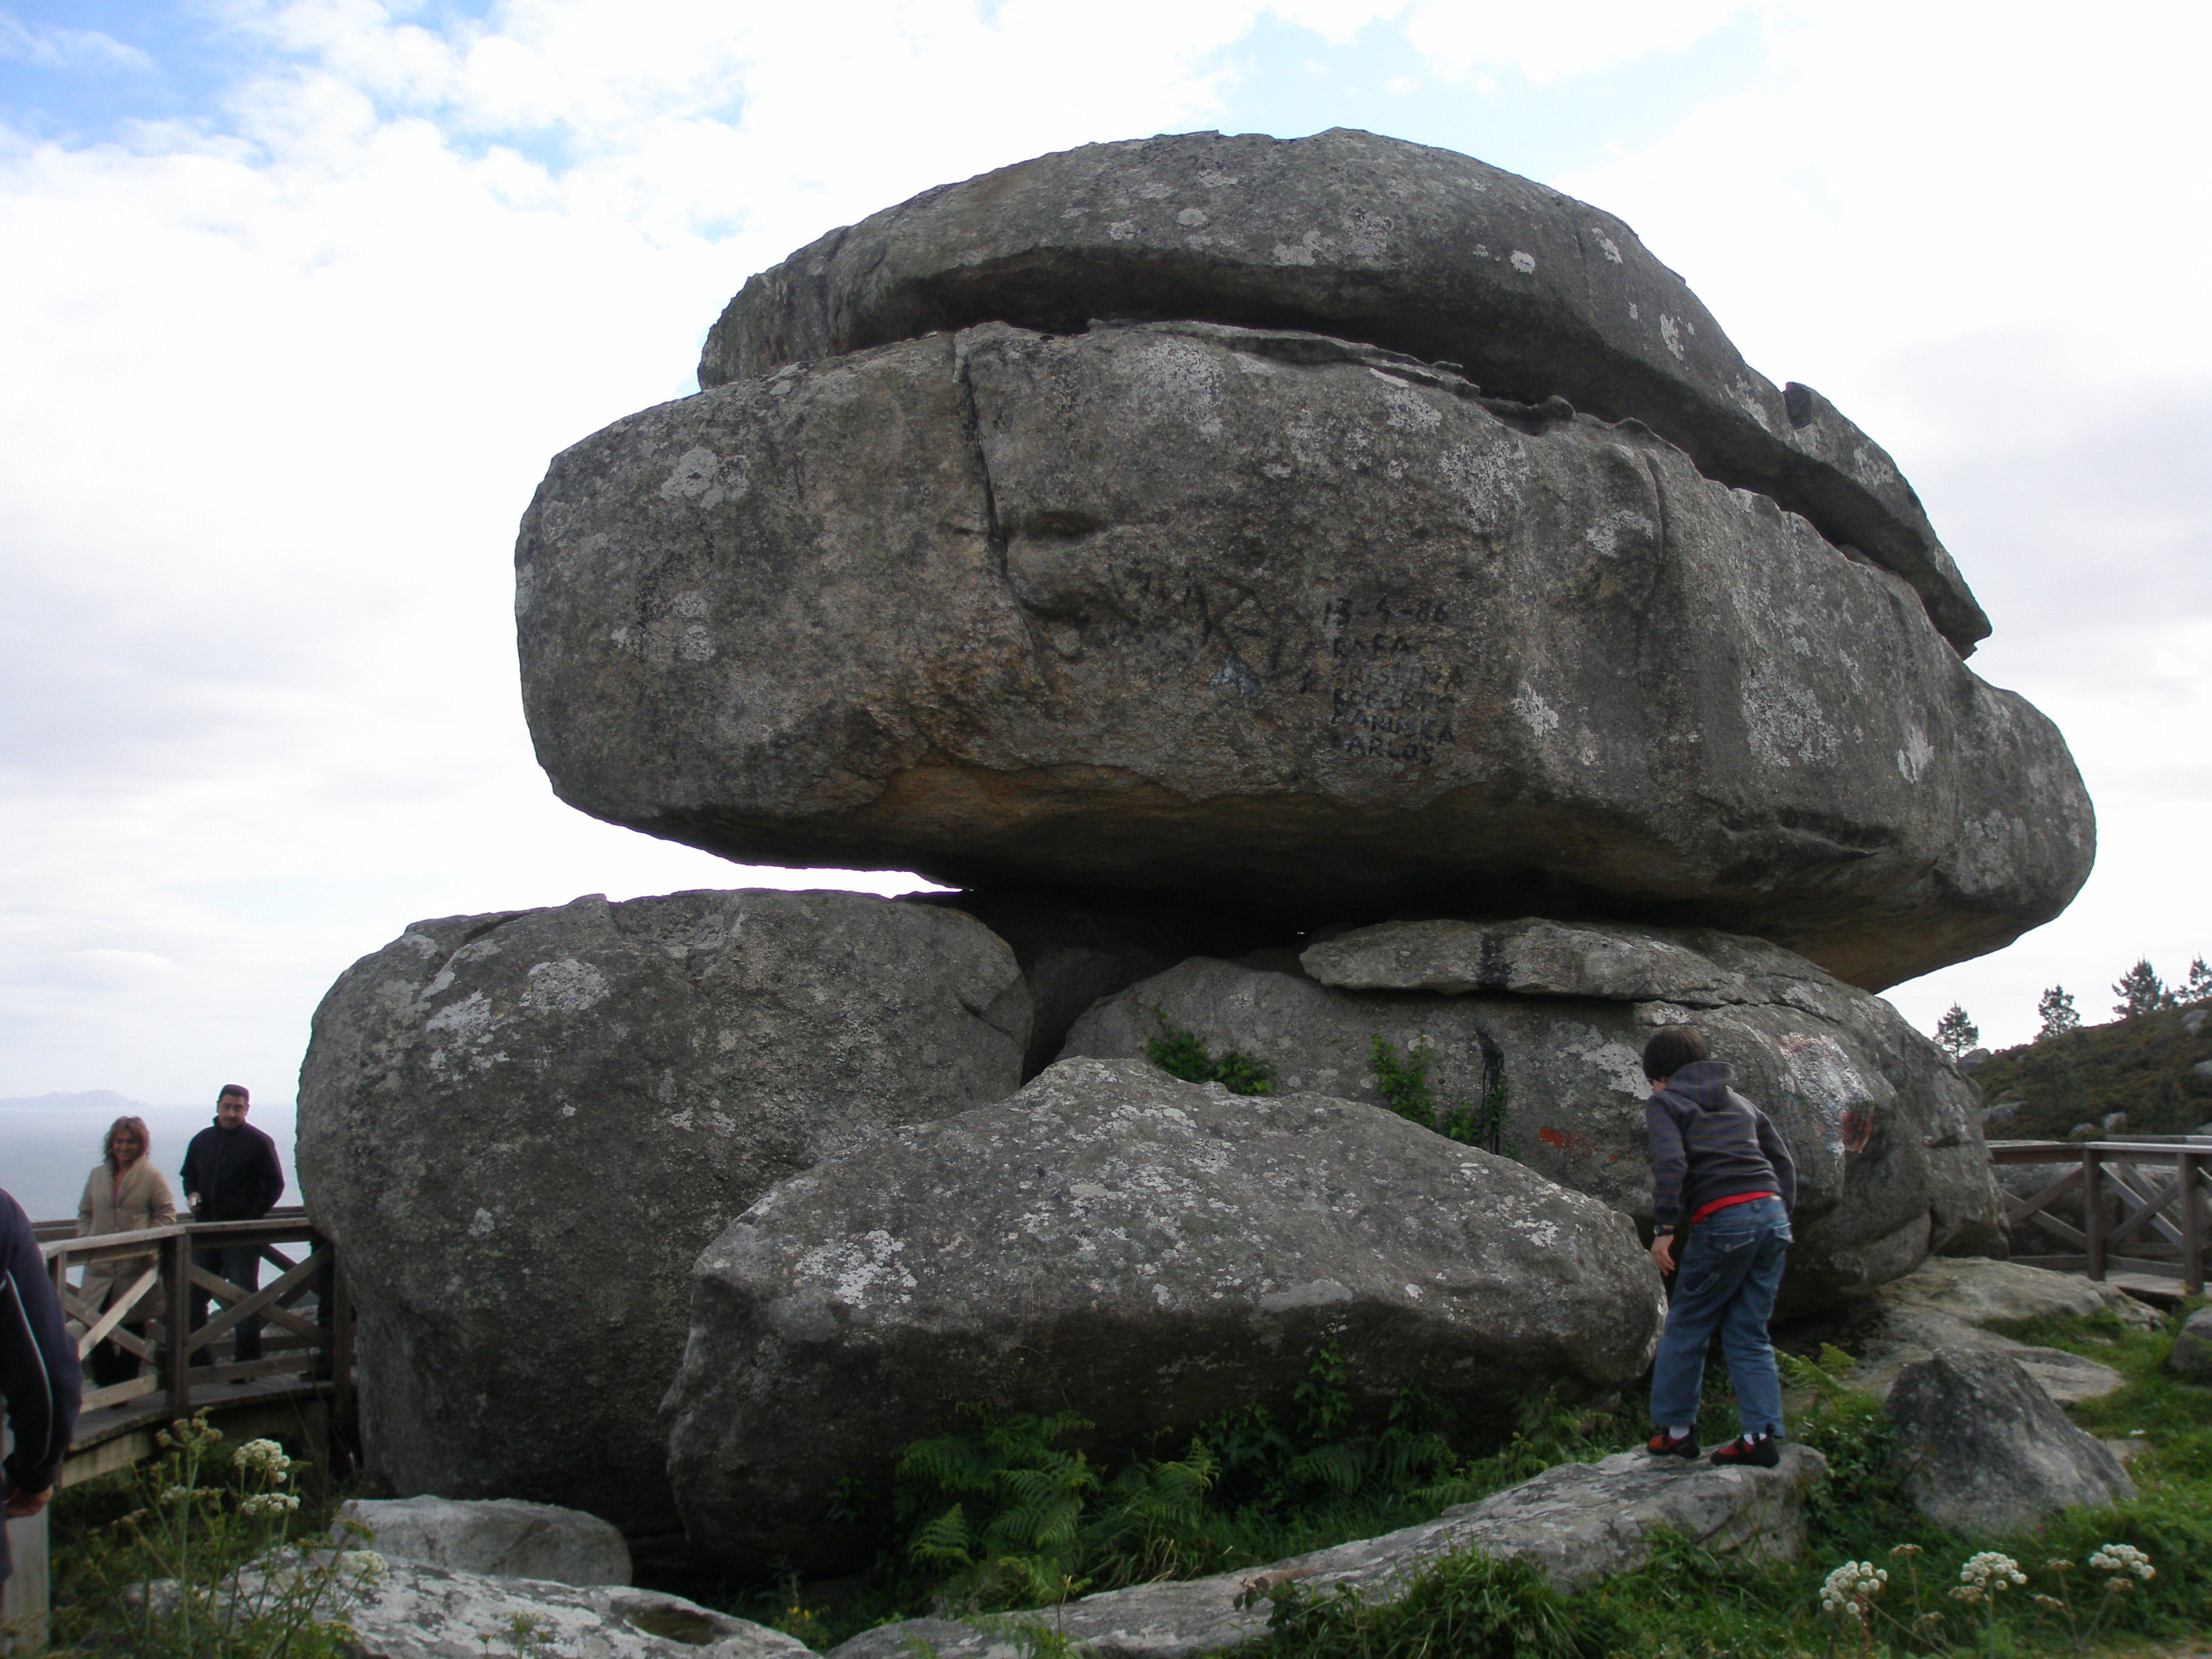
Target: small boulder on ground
pixel 2192 1348
pixel 418 1611
pixel 1143 1252
pixel 1576 1523
pixel 502 1537
pixel 1986 1452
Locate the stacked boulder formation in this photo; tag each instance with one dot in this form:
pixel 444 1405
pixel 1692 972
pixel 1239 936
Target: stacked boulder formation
pixel 1307 595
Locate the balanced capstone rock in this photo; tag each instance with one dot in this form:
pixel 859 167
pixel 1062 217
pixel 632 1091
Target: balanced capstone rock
pixel 521 1128
pixel 1372 239
pixel 1268 618
pixel 1143 1252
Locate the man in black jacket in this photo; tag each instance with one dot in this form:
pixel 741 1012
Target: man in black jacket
pixel 38 1373
pixel 231 1174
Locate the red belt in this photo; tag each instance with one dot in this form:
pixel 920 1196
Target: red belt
pixel 1704 1210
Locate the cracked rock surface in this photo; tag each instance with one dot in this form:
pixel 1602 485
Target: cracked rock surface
pixel 1891 1163
pixel 1396 245
pixel 521 1128
pixel 1269 618
pixel 1141 1251
pixel 1576 1523
pixel 424 1611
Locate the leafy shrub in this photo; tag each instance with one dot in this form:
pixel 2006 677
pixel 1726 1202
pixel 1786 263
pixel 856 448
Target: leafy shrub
pixel 1405 1087
pixel 1466 1606
pixel 1182 1054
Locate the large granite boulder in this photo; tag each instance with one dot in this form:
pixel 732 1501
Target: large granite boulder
pixel 1985 1452
pixel 1890 1159
pixel 1141 1251
pixel 1270 619
pixel 520 1129
pixel 1576 1523
pixel 1371 239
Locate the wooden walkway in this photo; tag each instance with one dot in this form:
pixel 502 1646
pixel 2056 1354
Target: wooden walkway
pixel 301 1384
pixel 2144 1202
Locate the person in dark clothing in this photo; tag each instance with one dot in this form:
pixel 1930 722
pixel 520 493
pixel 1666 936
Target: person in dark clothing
pixel 231 1174
pixel 1721 1175
pixel 39 1372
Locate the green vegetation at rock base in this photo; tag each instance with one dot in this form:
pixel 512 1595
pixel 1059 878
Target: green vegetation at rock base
pixel 1684 1603
pixel 1182 1054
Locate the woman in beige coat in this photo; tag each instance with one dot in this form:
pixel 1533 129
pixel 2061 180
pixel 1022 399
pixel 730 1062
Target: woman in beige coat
pixel 123 1193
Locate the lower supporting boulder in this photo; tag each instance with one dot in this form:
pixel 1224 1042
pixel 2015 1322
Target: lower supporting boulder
pixel 1576 1523
pixel 1142 1252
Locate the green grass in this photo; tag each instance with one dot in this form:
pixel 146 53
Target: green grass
pixel 1684 1603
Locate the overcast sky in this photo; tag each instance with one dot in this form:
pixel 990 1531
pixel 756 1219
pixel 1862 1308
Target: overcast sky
pixel 296 301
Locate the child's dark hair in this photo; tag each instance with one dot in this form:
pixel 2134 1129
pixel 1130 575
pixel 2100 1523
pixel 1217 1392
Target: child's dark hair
pixel 1671 1048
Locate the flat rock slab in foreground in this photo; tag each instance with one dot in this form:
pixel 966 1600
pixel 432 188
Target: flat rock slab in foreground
pixel 1949 1304
pixel 1884 1130
pixel 1143 1252
pixel 522 1128
pixel 423 1612
pixel 1985 1452
pixel 1577 1523
pixel 502 1537
pixel 1254 618
pixel 1373 239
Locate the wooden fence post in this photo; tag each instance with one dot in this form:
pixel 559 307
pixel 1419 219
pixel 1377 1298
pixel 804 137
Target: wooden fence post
pixel 2192 1222
pixel 2093 1209
pixel 178 1314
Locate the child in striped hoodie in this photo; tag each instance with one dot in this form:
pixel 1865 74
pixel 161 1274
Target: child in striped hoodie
pixel 1719 1167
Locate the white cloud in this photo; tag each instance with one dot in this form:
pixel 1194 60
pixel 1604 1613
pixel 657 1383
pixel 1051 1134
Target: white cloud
pixel 1549 43
pixel 67 48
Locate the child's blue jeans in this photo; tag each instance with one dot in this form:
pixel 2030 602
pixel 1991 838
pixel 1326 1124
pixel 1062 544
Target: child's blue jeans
pixel 1725 1281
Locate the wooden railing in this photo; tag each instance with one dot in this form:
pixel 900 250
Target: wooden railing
pixel 306 1315
pixel 2160 1188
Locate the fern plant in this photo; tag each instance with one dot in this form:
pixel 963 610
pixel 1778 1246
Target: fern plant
pixel 1181 1054
pixel 1404 1084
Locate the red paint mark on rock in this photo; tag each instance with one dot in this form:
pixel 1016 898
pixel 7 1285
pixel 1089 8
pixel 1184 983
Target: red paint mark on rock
pixel 1567 1140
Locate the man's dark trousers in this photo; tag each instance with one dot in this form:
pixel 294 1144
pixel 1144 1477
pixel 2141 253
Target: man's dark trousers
pixel 241 1265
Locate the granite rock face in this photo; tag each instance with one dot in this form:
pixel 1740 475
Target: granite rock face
pixel 1890 1158
pixel 1075 948
pixel 1369 239
pixel 423 1611
pixel 1141 1251
pixel 1988 1453
pixel 522 1128
pixel 1268 619
pixel 503 1537
pixel 1576 1523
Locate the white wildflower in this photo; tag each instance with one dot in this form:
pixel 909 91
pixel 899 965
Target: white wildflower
pixel 270 1503
pixel 2123 1558
pixel 1988 1572
pixel 263 1458
pixel 363 1566
pixel 1851 1587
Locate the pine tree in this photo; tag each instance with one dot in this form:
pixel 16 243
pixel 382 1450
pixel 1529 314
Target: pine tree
pixel 2059 1012
pixel 2140 991
pixel 1955 1033
pixel 2199 988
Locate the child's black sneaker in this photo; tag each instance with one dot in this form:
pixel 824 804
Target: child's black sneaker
pixel 1757 1450
pixel 1664 1444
